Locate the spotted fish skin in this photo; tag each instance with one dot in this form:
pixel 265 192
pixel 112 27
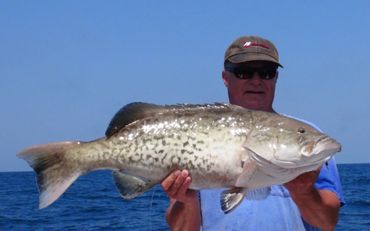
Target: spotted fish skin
pixel 221 145
pixel 182 137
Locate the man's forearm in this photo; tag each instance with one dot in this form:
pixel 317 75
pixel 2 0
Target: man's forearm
pixel 319 208
pixel 184 216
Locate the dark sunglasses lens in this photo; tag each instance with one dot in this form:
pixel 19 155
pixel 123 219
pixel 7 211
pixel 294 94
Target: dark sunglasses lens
pixel 267 74
pixel 244 74
pixel 247 73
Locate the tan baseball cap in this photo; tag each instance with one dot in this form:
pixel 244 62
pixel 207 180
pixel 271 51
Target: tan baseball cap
pixel 252 48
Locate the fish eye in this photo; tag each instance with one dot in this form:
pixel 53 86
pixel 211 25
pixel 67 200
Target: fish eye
pixel 301 130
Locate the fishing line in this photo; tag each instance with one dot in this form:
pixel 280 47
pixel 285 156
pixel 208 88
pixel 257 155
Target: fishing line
pixel 154 190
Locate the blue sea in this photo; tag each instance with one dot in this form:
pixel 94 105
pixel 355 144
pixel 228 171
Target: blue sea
pixel 92 203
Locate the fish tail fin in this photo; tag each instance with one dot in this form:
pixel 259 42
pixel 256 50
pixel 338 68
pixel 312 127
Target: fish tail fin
pixel 54 174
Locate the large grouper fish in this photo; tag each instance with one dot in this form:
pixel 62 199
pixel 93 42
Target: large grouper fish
pixel 221 145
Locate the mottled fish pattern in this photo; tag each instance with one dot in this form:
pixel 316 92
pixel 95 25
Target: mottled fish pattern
pixel 222 146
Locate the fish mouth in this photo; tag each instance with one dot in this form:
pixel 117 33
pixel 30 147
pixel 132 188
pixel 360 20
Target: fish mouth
pixel 326 146
pixel 314 153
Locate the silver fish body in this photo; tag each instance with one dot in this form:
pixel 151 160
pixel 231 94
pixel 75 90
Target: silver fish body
pixel 222 146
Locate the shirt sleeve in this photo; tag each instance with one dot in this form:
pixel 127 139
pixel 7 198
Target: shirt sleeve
pixel 329 179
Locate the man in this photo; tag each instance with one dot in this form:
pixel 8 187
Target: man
pixel 309 202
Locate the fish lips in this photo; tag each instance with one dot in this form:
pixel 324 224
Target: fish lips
pixel 323 149
pixel 326 146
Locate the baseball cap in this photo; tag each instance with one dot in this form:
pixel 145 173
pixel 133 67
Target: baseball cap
pixel 252 48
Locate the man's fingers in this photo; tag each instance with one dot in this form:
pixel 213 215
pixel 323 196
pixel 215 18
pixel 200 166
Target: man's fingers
pixel 169 180
pixel 175 187
pixel 303 182
pixel 185 186
pixel 176 184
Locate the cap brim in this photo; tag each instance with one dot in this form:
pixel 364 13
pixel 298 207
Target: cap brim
pixel 241 58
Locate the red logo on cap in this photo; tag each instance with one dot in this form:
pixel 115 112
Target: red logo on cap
pixel 252 44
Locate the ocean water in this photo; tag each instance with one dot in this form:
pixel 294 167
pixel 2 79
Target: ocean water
pixel 92 203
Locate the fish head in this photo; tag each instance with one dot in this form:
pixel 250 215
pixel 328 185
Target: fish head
pixel 289 143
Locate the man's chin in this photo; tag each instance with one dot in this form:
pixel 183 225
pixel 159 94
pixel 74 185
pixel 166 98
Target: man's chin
pixel 252 101
pixel 252 105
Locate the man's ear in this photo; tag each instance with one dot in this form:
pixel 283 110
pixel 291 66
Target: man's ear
pixel 225 78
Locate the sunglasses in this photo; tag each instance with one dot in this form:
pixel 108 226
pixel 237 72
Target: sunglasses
pixel 265 73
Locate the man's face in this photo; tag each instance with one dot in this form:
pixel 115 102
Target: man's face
pixel 252 92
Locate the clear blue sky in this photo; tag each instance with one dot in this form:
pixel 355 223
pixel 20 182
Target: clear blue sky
pixel 67 66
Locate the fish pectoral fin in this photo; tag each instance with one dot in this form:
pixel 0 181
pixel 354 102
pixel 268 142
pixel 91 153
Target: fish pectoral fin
pixel 258 194
pixel 249 169
pixel 131 186
pixel 231 198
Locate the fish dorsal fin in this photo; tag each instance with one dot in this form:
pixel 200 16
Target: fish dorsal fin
pixel 137 111
pixel 131 186
pixel 231 198
pixel 131 113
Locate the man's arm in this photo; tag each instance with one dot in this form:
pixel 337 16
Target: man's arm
pixel 320 208
pixel 184 210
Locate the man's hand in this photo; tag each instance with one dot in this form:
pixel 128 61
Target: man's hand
pixel 303 184
pixel 320 208
pixel 184 210
pixel 176 185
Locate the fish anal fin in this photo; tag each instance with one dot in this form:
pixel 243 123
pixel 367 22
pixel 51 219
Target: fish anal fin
pixel 131 186
pixel 231 198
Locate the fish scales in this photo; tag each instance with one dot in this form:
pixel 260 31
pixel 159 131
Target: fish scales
pixel 162 145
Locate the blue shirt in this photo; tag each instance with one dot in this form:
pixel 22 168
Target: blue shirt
pixel 277 212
